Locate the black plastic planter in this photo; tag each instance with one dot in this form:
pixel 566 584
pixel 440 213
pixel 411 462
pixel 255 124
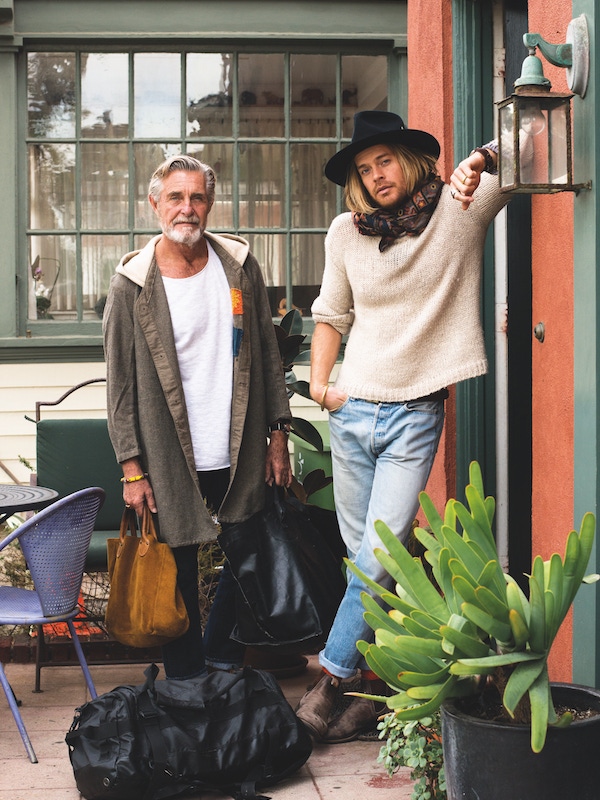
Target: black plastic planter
pixel 486 760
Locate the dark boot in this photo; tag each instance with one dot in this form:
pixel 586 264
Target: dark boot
pixel 360 716
pixel 315 707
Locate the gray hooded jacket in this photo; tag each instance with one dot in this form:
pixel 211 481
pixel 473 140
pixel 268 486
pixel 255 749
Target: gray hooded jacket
pixel 147 417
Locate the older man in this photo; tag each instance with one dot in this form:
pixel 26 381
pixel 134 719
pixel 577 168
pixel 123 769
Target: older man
pixel 195 388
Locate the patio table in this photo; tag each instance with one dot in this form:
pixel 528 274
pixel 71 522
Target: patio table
pixel 15 497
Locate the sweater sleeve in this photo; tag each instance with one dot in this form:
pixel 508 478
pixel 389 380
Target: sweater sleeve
pixel 489 200
pixel 334 305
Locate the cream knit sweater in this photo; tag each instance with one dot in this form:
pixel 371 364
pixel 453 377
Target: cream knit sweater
pixel 412 312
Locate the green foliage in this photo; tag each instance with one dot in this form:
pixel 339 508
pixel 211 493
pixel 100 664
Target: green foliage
pixel 417 745
pixel 13 569
pixel 290 338
pixel 479 623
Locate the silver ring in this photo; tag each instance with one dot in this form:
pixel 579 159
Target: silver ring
pixel 452 193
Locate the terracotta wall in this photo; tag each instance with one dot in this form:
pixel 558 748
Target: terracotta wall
pixel 552 361
pixel 430 103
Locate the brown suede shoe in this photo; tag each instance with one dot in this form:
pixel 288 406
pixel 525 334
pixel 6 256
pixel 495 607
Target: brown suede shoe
pixel 315 707
pixel 360 716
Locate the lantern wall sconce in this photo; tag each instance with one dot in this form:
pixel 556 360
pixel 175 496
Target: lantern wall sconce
pixel 534 124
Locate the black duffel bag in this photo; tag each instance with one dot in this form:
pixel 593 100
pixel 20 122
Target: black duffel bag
pixel 227 732
pixel 290 582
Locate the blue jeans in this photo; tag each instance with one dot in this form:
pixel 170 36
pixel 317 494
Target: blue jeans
pixel 382 454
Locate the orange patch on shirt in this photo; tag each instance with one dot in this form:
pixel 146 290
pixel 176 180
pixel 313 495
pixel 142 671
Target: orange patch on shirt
pixel 237 304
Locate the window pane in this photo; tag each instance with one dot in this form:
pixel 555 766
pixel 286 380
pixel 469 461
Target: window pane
pixel 52 278
pixel 220 157
pixel 141 240
pixel 52 186
pixel 364 87
pixel 51 94
pixel 262 175
pixel 208 86
pixel 104 186
pixel 313 196
pixel 270 251
pixel 308 261
pixel 147 157
pixel 261 95
pixel 157 94
pixel 99 257
pixel 105 95
pixel 313 95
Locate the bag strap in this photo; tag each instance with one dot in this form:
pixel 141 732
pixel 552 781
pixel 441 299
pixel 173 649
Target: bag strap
pixel 148 531
pixel 276 498
pixel 128 526
pixel 148 715
pixel 128 523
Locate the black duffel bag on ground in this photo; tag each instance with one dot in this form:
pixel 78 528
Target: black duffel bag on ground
pixel 290 582
pixel 228 732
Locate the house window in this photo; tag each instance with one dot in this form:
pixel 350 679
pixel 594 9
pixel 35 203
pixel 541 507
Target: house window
pixel 98 124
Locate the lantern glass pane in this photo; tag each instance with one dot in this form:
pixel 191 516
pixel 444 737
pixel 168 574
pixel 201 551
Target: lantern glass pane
pixel 557 162
pixel 507 148
pixel 533 142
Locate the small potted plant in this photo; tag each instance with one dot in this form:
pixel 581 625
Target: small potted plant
pixel 477 647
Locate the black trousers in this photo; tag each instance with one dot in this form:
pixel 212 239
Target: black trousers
pixel 186 657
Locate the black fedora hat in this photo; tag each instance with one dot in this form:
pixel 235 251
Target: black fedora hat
pixel 377 127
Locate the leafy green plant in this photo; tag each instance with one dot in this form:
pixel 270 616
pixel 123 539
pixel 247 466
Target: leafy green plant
pixel 13 568
pixel 477 628
pixel 415 744
pixel 290 338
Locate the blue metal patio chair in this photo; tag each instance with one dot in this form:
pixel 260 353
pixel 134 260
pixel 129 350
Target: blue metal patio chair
pixel 55 543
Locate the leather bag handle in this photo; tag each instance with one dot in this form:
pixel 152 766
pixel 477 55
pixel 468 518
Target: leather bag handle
pixel 129 525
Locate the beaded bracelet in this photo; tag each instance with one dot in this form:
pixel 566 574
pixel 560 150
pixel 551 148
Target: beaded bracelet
pixel 134 478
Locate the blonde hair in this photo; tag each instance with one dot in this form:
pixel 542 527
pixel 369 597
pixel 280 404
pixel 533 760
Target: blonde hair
pixel 416 166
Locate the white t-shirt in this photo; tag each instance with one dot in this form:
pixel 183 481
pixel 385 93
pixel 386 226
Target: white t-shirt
pixel 201 316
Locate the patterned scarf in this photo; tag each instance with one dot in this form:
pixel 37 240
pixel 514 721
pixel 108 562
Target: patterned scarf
pixel 409 220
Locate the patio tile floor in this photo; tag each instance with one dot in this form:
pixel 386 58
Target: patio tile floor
pixel 344 771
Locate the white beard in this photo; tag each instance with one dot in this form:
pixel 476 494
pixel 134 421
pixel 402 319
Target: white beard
pixel 186 237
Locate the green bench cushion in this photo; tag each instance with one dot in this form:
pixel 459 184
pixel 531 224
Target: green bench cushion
pixel 73 454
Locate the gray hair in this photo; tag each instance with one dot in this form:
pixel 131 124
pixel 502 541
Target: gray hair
pixel 182 163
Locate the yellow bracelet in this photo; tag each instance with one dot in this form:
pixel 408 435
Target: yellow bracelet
pixel 134 478
pixel 323 396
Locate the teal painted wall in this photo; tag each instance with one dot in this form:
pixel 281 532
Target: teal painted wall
pixel 586 624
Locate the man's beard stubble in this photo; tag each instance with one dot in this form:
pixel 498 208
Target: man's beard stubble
pixel 187 237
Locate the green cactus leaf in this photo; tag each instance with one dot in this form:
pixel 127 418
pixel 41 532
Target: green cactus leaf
pixel 540 700
pixel 501 631
pixel 519 683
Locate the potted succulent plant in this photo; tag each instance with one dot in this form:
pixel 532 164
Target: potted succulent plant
pixel 477 647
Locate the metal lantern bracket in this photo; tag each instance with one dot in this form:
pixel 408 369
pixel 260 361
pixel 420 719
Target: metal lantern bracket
pixel 574 54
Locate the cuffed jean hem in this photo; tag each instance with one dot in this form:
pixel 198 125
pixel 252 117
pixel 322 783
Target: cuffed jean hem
pixel 339 672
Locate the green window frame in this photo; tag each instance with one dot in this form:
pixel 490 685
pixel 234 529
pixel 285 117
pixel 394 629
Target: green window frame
pixel 302 109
